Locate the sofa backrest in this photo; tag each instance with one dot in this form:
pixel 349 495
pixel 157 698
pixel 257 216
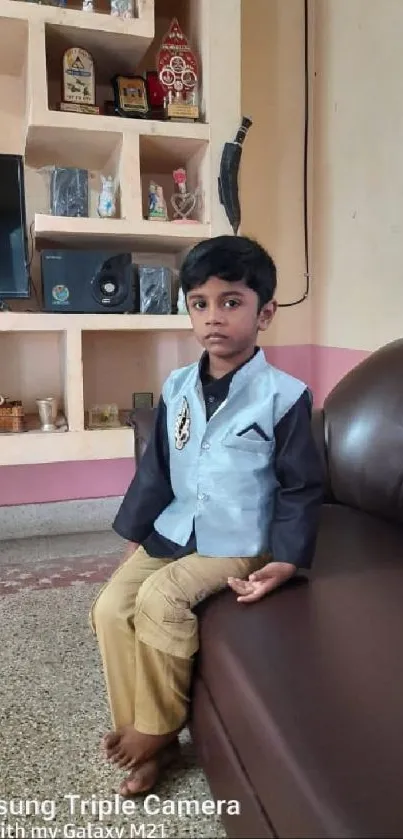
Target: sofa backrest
pixel 363 428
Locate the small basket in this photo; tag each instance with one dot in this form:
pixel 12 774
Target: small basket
pixel 12 416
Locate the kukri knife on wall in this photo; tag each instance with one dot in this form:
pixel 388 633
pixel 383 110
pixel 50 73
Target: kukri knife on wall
pixel 228 179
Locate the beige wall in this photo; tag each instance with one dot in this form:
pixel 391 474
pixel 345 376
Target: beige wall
pixel 358 193
pixel 272 163
pixel 357 187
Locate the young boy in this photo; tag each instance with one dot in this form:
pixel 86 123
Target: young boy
pixel 228 493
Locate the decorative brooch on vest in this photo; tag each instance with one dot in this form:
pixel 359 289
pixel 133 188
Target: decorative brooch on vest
pixel 182 425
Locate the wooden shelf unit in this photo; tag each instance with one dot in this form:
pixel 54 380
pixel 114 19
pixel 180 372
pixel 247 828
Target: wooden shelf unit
pixel 82 359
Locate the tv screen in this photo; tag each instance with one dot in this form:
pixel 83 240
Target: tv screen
pixel 14 269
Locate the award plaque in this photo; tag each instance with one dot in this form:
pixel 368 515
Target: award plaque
pixel 130 96
pixel 179 76
pixel 78 82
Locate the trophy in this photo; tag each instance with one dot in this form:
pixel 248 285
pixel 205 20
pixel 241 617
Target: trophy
pixel 178 74
pixel 130 96
pixel 78 82
pixel 183 202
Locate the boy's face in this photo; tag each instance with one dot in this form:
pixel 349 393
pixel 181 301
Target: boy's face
pixel 225 316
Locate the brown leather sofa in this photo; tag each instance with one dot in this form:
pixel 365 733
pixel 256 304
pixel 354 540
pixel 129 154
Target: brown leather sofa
pixel 297 708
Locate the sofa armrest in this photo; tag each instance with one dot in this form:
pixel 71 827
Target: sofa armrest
pixel 318 430
pixel 141 420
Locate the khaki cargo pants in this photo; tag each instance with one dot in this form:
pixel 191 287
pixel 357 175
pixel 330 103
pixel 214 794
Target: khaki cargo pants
pixel 148 634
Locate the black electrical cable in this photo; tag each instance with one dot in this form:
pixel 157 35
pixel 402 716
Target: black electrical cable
pixel 306 128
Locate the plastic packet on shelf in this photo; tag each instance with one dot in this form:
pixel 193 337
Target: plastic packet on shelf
pixel 155 289
pixel 68 191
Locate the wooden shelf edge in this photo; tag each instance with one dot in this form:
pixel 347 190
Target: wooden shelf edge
pixel 55 231
pixel 38 447
pixel 119 125
pixel 141 27
pixel 54 322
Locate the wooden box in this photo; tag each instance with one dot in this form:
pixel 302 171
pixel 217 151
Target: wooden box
pixel 11 417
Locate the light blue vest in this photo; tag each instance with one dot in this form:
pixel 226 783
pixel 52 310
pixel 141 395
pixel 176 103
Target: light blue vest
pixel 225 483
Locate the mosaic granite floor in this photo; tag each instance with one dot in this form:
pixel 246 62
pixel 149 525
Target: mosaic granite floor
pixel 53 708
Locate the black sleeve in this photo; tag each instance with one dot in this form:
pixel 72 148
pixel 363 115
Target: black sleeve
pixel 300 487
pixel 150 490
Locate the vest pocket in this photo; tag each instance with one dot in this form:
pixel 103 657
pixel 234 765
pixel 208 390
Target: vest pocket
pixel 246 444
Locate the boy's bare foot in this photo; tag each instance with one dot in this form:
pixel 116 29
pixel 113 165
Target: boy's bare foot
pixel 109 744
pixel 146 776
pixel 129 748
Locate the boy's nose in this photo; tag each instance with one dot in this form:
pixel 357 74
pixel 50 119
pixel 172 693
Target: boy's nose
pixel 214 315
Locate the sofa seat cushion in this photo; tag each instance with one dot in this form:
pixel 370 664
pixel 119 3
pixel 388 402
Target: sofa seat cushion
pixel 309 684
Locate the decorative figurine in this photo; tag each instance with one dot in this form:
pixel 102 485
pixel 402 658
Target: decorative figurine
pixel 183 202
pixel 107 197
pixel 88 6
pixel 78 82
pixel 157 208
pixel 122 9
pixel 179 75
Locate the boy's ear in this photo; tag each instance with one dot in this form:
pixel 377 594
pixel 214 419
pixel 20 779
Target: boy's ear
pixel 266 314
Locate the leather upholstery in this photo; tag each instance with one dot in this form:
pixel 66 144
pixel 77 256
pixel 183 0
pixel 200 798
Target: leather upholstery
pixel 364 434
pixel 308 685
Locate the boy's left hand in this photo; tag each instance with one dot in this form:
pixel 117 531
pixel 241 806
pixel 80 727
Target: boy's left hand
pixel 262 582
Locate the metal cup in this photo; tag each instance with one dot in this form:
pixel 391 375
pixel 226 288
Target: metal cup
pixel 47 409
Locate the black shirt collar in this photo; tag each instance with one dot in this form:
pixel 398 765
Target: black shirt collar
pixel 218 387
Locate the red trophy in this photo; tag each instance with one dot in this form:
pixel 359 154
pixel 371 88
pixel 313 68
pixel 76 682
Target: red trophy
pixel 178 74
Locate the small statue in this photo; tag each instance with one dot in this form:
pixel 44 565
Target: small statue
pixel 122 9
pixel 157 208
pixel 107 198
pixel 183 202
pixel 88 6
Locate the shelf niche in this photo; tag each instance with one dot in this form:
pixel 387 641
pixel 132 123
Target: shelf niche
pixel 118 364
pixel 159 156
pixel 35 369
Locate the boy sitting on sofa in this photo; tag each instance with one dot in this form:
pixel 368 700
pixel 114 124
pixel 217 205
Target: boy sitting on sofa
pixel 228 493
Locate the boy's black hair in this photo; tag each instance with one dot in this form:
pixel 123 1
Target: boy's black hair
pixel 232 258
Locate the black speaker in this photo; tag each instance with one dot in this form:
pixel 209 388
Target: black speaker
pixel 87 281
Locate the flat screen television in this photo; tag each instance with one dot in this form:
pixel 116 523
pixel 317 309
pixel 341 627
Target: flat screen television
pixel 14 260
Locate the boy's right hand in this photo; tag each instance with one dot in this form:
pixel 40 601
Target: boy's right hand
pixel 262 582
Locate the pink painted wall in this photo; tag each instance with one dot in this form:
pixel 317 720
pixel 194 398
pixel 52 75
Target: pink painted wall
pixel 320 367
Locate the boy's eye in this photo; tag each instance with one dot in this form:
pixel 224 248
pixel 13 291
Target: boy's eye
pixel 229 304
